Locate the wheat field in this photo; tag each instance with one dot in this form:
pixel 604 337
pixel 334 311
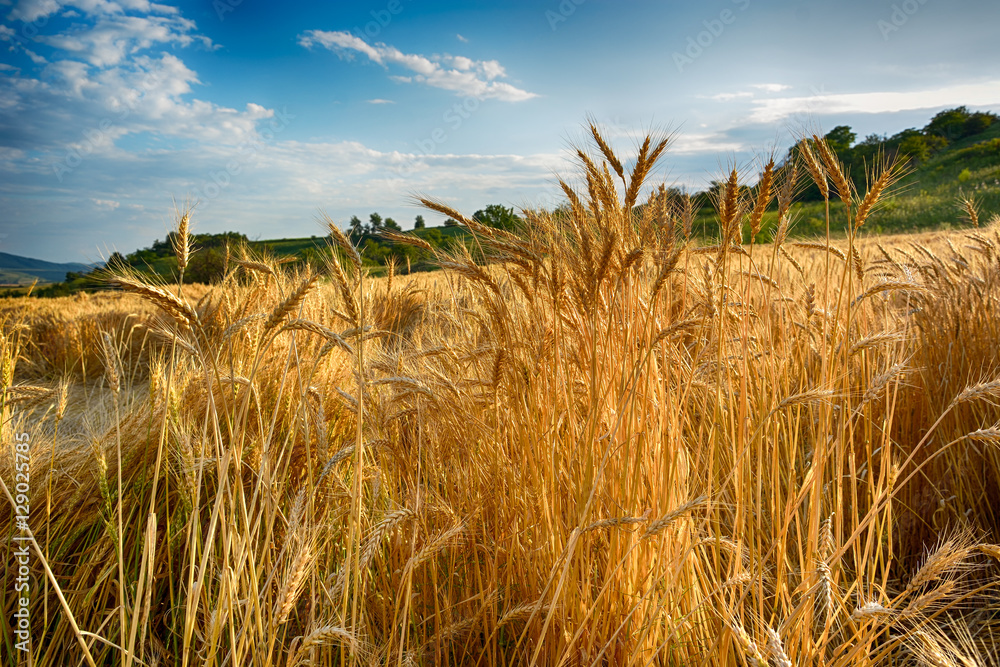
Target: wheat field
pixel 596 441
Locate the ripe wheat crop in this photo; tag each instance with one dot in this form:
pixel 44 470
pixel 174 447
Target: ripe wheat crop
pixel 587 442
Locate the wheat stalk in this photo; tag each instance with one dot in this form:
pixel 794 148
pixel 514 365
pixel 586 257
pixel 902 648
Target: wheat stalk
pixel 777 649
pixel 27 394
pixel 408 239
pixel 617 522
pixel 181 311
pixel 835 169
pixel 971 208
pixel 949 555
pixel 258 267
pixel 112 364
pixel 816 245
pixel 786 192
pixel 872 610
pixel 748 645
pixel 890 173
pixel 990 389
pixel 319 329
pixel 814 168
pixel 874 340
pixel 438 543
pixel 292 302
pixel 729 207
pixel 345 244
pixel 609 154
pixel 655 527
pixel 182 241
pixel 295 578
pixel 326 635
pixel 763 197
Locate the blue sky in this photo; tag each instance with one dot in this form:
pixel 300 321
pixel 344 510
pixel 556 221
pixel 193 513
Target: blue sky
pixel 267 113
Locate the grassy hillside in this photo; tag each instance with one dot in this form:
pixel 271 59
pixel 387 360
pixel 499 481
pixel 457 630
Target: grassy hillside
pixel 17 270
pixel 928 197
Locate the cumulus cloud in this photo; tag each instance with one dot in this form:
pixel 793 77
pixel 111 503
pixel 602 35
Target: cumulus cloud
pixel 102 83
pixel 728 97
pixel 461 75
pixel 111 40
pixel 986 93
pixel 712 143
pixel 32 10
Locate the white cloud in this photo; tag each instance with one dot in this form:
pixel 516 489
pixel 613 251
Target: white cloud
pixel 35 58
pixel 771 110
pixel 106 203
pixel 462 39
pixel 461 75
pixel 728 97
pixel 379 100
pixel 691 144
pixel 111 40
pixel 103 86
pixel 29 10
pixel 771 87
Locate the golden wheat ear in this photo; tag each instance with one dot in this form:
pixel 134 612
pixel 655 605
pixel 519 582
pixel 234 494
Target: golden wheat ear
pixel 179 309
pixel 881 178
pixel 764 186
pixel 969 206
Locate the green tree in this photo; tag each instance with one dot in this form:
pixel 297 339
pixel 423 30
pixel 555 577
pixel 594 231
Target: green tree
pixel 434 237
pixel 419 223
pixel 977 122
pixel 916 148
pixel 206 266
pixel 116 261
pixel 356 227
pixel 936 144
pixel 498 217
pixel 451 222
pixel 389 223
pixel 840 139
pixel 375 223
pixel 949 124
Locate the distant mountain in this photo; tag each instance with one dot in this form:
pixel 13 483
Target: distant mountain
pixel 17 270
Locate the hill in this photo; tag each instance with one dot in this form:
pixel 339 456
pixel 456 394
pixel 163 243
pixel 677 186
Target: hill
pixel 17 270
pixel 928 197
